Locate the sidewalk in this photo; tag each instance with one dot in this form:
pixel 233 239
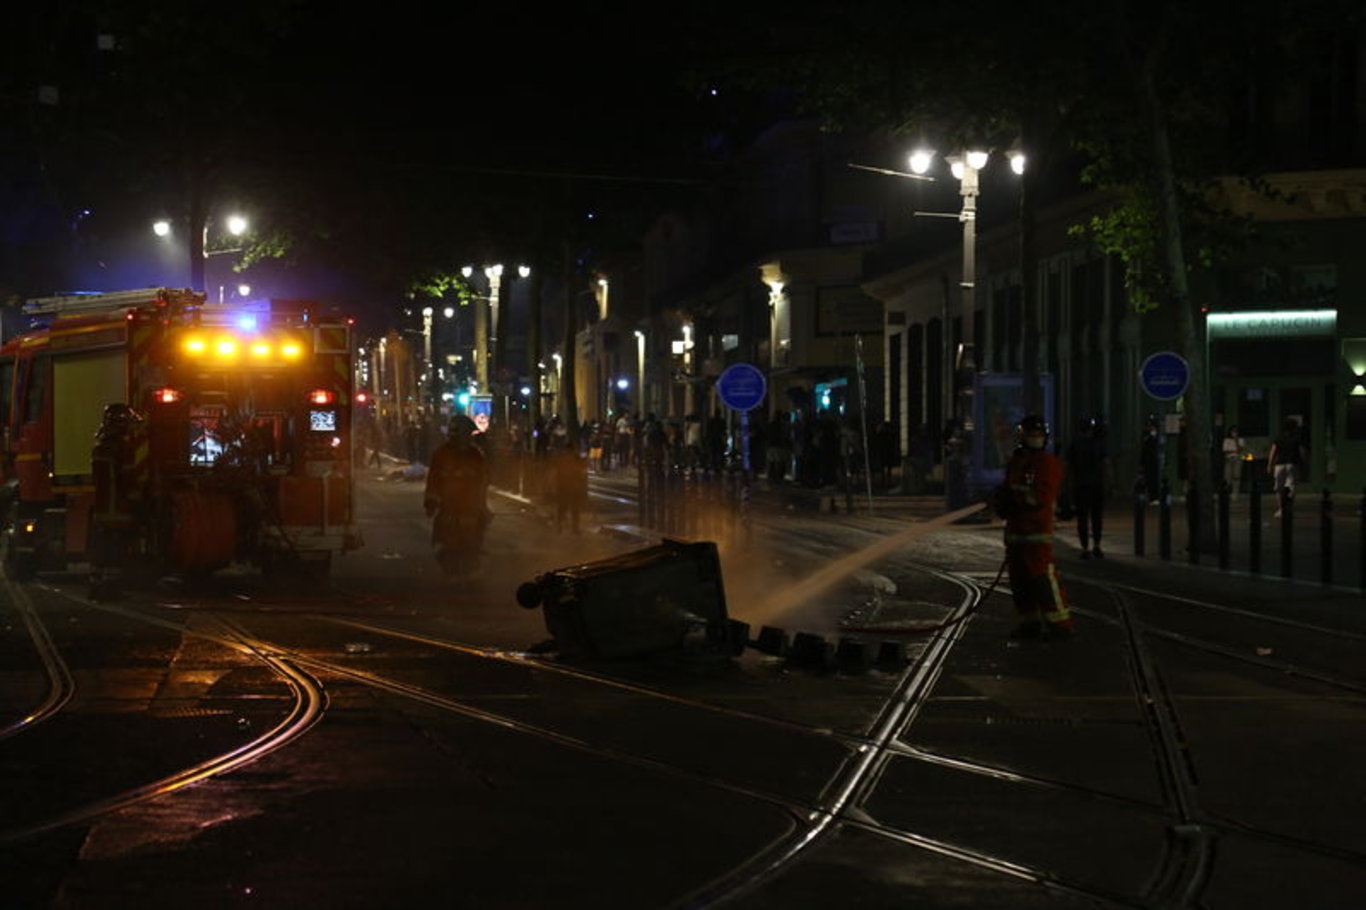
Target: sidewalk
pixel 1303 561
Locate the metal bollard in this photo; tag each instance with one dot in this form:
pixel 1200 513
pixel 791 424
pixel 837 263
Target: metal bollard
pixel 1254 527
pixel 1141 515
pixel 1164 520
pixel 1361 538
pixel 642 496
pixel 1326 538
pixel 1224 496
pixel 1287 501
pixel 1193 524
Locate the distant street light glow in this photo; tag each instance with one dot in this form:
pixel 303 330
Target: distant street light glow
pixel 920 160
pixel 237 225
pixel 161 228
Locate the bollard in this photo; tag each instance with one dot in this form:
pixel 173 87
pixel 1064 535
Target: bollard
pixel 1140 515
pixel 1223 518
pixel 771 640
pixel 1287 512
pixel 642 496
pixel 892 655
pixel 1361 538
pixel 1164 520
pixel 1193 524
pixel 853 655
pixel 1254 528
pixel 1326 538
pixel 809 650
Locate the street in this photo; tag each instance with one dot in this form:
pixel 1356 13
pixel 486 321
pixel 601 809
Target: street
pixel 395 738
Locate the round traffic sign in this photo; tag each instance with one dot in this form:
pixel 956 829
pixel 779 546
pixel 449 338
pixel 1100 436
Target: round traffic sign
pixel 741 386
pixel 1165 375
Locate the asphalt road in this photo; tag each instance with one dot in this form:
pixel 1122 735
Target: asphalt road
pixel 395 738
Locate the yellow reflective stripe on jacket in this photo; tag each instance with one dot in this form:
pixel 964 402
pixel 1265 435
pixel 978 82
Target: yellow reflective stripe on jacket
pixel 1028 538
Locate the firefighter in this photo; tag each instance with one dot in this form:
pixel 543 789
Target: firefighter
pixel 1027 501
pixel 456 498
pixel 113 519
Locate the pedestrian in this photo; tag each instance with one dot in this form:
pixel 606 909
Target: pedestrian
pixel 1232 449
pixel 1027 501
pixel 1088 468
pixel 456 498
pixel 625 441
pixel 692 441
pixel 1287 458
pixel 570 488
pixel 779 447
pixel 1151 458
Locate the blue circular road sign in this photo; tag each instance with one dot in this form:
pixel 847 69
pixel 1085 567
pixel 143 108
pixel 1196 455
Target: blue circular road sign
pixel 741 386
pixel 1165 375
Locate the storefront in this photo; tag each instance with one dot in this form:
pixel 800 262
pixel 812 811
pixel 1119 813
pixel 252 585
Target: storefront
pixel 1270 366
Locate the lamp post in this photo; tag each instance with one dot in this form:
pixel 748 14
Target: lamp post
pixel 427 352
pixel 959 471
pixel 559 380
pixel 640 372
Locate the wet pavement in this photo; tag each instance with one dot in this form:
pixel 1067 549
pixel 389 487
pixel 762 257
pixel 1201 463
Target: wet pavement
pixel 1198 743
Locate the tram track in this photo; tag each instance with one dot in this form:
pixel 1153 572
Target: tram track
pixel 60 685
pixel 308 704
pixel 1193 830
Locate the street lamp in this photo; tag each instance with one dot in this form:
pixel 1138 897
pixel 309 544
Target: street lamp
pixel 235 224
pixel 965 168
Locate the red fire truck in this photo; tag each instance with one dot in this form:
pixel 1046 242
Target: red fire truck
pixel 239 448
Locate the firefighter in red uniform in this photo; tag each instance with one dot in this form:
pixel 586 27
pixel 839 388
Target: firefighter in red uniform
pixel 456 498
pixel 1027 501
pixel 113 519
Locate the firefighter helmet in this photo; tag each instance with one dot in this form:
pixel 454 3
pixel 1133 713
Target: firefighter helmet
pixel 116 420
pixel 1033 431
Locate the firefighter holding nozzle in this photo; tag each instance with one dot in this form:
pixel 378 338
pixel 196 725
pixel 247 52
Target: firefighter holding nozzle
pixel 114 519
pixel 1027 501
pixel 456 498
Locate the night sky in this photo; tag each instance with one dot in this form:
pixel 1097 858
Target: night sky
pixel 376 122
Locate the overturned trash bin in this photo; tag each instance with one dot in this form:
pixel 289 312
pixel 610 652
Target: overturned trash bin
pixel 662 598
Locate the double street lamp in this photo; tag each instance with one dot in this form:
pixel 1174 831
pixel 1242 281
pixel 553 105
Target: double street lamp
pixel 235 225
pixel 965 167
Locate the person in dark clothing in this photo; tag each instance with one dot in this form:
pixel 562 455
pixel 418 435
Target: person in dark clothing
pixel 456 499
pixel 1088 469
pixel 570 489
pixel 1285 461
pixel 114 515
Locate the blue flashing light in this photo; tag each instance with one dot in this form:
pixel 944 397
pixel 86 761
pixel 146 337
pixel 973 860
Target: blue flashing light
pixel 247 322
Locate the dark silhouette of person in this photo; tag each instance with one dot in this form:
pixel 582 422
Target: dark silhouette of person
pixel 456 497
pixel 1087 469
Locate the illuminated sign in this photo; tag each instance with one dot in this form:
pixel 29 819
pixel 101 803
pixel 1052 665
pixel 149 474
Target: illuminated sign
pixel 1272 324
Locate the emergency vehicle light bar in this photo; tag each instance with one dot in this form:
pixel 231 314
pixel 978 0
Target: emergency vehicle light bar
pixel 226 347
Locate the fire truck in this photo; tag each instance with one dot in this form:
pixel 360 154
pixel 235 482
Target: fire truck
pixel 239 447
